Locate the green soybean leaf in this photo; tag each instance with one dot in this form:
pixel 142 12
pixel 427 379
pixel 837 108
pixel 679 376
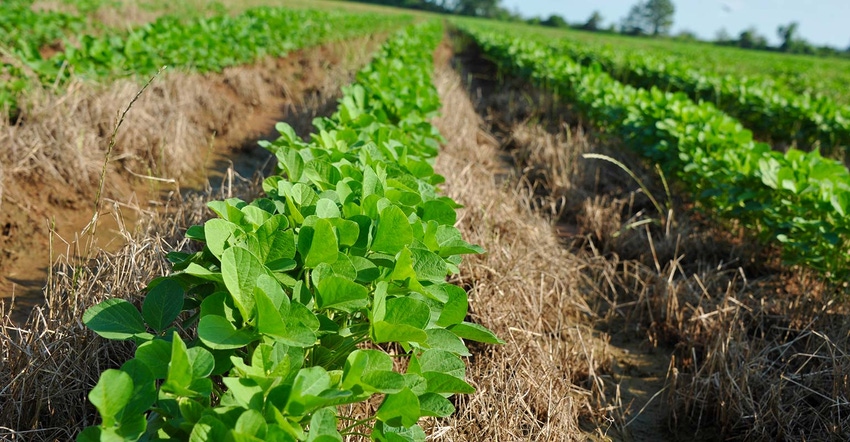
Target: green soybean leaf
pixel 217 232
pixel 243 392
pixel 196 233
pixel 325 208
pixel 293 163
pixel 393 231
pixel 372 183
pixel 221 304
pixel 209 428
pixel 179 376
pixel 400 409
pixel 300 313
pixel 154 355
pixel 111 393
pixel 322 173
pixel 344 267
pixel 428 266
pixel 443 383
pixel 203 273
pixel 388 433
pixel 349 231
pixel 323 427
pixel 275 242
pixel 286 330
pixel 304 196
pixel 475 332
pixel 407 311
pixel 438 211
pixel 367 271
pixel 163 304
pixel 228 209
pixel 190 409
pixel 91 434
pixel 443 339
pixel 383 381
pixel 432 404
pixel 403 270
pixel 240 270
pixel 364 361
pixel 456 307
pixel 439 361
pixel 251 423
pixel 255 216
pixel 451 242
pixel 379 302
pixel 114 319
pixel 416 383
pixel 386 332
pixel 131 426
pixel 318 244
pixel 273 291
pixel 341 294
pixel 218 333
pixel 308 385
pixel 144 388
pixel 404 321
pixel 201 362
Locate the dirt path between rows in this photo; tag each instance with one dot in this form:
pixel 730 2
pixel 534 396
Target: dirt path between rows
pixel 571 369
pixel 43 217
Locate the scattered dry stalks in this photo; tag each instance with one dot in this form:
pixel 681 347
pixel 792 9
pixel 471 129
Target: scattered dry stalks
pixel 542 384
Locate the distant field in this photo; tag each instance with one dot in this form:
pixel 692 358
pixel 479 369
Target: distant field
pixel 801 73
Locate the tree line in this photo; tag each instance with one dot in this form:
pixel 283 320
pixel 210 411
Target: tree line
pixel 647 17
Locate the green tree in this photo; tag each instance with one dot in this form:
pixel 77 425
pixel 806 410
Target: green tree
pixel 650 17
pixel 594 22
pixel 750 39
pixel 788 35
pixel 478 8
pixel 722 37
pixel 555 21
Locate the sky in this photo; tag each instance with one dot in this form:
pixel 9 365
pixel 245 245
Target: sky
pixel 822 22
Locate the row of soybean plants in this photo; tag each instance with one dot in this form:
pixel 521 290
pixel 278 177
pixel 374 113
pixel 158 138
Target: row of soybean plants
pixel 22 32
pixel 199 44
pixel 330 290
pixel 799 199
pixel 770 110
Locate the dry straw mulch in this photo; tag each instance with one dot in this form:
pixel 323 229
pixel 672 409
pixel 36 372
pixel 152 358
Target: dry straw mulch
pixel 543 383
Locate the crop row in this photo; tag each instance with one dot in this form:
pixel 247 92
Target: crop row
pixel 199 44
pixel 23 29
pixel 289 309
pixel 771 111
pixel 799 199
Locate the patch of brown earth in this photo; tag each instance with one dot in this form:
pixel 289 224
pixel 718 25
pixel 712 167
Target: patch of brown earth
pixel 183 133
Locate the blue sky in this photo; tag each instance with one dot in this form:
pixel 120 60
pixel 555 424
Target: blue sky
pixel 821 21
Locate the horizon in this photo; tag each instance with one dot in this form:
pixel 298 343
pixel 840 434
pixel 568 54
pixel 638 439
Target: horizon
pixel 823 23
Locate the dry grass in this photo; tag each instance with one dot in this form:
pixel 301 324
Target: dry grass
pixel 62 136
pixel 543 383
